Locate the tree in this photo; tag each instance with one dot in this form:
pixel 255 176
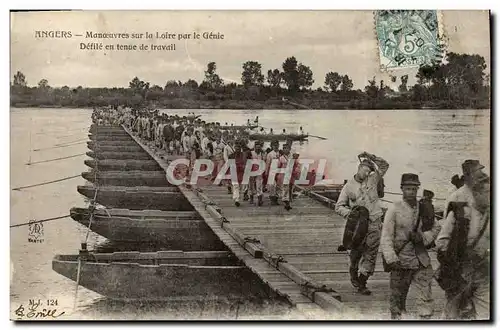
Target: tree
pixel 171 84
pixel 305 76
pixel 139 87
pixel 252 74
pixel 43 84
pixel 296 76
pixel 156 88
pixel 346 84
pixel 460 79
pixel 332 81
pixel 19 79
pixel 372 89
pixel 466 71
pixel 418 92
pixel 212 79
pixel 172 88
pixel 487 79
pixel 191 84
pixel 382 89
pixel 404 81
pixel 155 93
pixel 274 78
pixel 291 74
pixel 425 74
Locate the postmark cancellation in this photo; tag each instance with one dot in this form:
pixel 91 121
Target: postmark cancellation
pixel 409 38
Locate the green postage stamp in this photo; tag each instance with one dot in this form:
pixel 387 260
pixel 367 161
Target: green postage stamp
pixel 408 38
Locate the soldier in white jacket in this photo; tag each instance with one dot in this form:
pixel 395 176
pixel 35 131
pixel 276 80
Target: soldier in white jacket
pixel 361 190
pixel 272 184
pixel 403 243
pixel 229 150
pixel 256 182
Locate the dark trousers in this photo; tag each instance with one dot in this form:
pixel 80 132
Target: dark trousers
pixel 365 256
pixel 400 285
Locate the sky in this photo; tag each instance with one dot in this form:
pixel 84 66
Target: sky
pixel 339 41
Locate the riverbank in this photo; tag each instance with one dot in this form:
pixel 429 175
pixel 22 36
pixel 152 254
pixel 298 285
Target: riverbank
pixel 271 104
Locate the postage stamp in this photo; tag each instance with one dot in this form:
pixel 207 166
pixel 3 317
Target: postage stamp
pixel 408 38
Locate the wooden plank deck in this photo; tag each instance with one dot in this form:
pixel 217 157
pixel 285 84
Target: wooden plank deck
pixel 306 240
pixel 266 272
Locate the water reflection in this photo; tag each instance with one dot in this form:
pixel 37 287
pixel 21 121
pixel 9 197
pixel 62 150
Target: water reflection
pixel 221 308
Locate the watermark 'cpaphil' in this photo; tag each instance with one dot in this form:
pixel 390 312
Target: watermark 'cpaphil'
pixel 296 170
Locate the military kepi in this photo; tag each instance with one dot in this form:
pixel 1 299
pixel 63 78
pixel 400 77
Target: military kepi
pixel 410 179
pixel 470 166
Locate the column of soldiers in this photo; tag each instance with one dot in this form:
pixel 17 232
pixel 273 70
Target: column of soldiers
pixel 197 139
pixel 403 233
pixel 407 231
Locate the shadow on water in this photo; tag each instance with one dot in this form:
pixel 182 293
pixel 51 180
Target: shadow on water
pixel 227 308
pixel 250 297
pixel 117 246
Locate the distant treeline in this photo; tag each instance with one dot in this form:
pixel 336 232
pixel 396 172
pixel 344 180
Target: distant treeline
pixel 460 83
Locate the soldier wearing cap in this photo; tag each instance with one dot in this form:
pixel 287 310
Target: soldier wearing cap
pixel 228 151
pixel 256 182
pixel 272 186
pixel 282 178
pixel 471 215
pixel 240 157
pixel 403 244
pixel 362 190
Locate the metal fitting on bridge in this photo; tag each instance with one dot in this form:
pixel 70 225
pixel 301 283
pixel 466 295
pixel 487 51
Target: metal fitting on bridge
pixel 223 220
pixel 249 239
pixel 275 260
pixel 309 289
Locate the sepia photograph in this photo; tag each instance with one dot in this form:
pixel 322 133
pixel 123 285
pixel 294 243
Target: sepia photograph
pixel 250 165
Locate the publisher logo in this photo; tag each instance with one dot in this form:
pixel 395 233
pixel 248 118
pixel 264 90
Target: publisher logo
pixel 35 232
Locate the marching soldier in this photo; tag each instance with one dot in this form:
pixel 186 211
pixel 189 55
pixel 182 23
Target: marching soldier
pixel 229 149
pixel 272 185
pixel 463 246
pixel 282 182
pixel 361 190
pixel 240 157
pixel 403 243
pixel 256 182
pixel 219 146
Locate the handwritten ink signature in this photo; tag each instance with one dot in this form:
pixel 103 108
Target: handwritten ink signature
pixel 32 311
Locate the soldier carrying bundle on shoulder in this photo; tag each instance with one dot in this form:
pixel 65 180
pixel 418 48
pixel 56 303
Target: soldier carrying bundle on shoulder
pixel 463 246
pixel 363 190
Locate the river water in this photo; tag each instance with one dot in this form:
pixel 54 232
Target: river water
pixel 431 143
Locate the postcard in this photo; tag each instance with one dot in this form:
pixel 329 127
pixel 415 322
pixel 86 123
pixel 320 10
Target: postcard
pixel 250 165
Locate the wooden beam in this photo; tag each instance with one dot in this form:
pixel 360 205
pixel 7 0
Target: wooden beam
pixel 206 200
pixel 323 295
pixel 254 248
pixel 322 199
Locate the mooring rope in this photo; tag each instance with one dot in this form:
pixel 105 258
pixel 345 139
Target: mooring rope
pixel 91 218
pixel 74 141
pixel 39 221
pixel 61 131
pixel 400 194
pixel 48 182
pixel 59 146
pixel 54 159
